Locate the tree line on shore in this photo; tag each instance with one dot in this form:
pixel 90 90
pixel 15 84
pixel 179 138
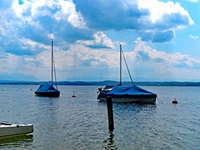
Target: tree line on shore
pixel 90 83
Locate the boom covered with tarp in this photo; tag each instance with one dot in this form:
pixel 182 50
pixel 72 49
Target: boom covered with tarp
pixel 46 88
pixel 129 90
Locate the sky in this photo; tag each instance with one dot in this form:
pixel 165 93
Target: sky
pixel 160 39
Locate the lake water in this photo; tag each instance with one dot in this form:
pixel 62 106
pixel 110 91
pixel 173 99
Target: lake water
pixel 81 123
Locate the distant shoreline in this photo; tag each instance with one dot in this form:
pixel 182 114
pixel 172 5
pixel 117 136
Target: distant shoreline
pixel 102 83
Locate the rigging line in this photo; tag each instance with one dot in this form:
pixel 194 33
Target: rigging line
pixel 159 99
pixel 127 67
pixel 63 94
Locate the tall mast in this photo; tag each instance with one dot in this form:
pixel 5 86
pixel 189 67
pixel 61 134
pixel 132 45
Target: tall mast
pixel 52 61
pixel 120 83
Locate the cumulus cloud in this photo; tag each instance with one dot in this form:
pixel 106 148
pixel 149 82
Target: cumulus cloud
pixel 193 36
pixel 100 41
pixel 78 29
pixel 193 1
pixel 157 36
pixel 162 65
pixel 166 15
pixel 70 63
pixel 144 62
pixel 36 20
pixel 177 59
pixel 150 18
pixel 71 21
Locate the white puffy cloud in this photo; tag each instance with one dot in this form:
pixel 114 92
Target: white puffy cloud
pixel 83 63
pixel 160 65
pixel 100 41
pixel 37 21
pixel 81 45
pixel 166 14
pixel 73 62
pixel 149 18
pixel 144 62
pixel 193 1
pixel 71 21
pixel 193 36
pixel 177 59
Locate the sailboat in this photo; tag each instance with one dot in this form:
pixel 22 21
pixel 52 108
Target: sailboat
pixel 126 94
pixel 48 90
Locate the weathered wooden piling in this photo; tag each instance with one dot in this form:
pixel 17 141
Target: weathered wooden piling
pixel 110 114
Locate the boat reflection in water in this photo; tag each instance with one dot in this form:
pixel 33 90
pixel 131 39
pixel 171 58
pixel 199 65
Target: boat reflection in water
pixel 24 141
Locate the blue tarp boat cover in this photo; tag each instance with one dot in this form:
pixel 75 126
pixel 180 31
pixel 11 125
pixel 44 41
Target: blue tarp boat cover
pixel 46 88
pixel 129 90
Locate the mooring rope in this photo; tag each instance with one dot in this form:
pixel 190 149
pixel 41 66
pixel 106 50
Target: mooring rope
pixel 159 99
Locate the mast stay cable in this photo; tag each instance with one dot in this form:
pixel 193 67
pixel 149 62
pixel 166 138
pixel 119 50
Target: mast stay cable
pixel 127 66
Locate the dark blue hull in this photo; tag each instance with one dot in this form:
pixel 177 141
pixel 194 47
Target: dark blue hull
pixel 48 94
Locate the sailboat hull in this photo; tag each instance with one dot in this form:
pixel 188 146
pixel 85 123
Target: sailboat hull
pixel 48 94
pixel 143 100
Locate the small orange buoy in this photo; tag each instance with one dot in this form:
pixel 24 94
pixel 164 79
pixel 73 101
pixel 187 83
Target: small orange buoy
pixel 174 101
pixel 73 96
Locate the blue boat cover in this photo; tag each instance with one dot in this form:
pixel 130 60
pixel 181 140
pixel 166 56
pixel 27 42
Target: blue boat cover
pixel 128 90
pixel 46 88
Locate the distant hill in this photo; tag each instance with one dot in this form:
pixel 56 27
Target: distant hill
pixel 102 83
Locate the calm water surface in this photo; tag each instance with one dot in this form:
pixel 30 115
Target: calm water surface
pixel 81 123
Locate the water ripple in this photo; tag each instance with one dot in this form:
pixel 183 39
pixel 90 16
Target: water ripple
pixel 82 123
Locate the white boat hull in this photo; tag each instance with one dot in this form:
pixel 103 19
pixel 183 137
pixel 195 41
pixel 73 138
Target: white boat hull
pixel 10 130
pixel 131 100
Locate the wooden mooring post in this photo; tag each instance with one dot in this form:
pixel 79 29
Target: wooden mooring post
pixel 110 114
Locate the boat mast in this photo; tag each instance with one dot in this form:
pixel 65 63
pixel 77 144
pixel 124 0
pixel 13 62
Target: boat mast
pixel 120 83
pixel 52 62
